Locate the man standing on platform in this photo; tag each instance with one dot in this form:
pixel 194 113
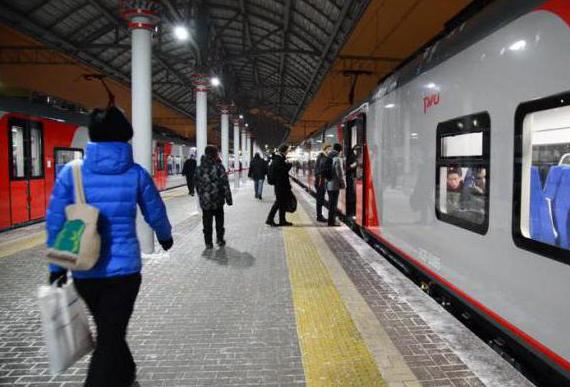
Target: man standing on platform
pixel 257 172
pixel 335 183
pixel 213 191
pixel 278 175
pixel 188 170
pixel 320 181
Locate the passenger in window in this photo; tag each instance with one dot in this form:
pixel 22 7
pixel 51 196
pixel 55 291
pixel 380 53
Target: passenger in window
pixel 474 199
pixel 454 189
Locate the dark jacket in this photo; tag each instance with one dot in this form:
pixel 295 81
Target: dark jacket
pixel 212 184
pixel 337 182
pixel 280 170
pixel 321 158
pixel 189 168
pixel 257 169
pixel 114 184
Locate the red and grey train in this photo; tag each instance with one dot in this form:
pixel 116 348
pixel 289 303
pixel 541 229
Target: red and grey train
pixel 37 140
pixel 458 167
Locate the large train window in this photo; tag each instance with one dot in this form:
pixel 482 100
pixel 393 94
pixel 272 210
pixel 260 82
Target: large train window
pixel 26 149
pixel 463 172
pixel 541 208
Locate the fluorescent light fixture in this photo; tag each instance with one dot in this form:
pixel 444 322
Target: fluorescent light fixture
pixel 518 46
pixel 414 135
pixel 181 33
pixel 431 85
pixel 215 81
pixel 390 105
pixel 330 135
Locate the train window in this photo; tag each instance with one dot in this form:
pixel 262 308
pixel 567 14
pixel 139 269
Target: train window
pixel 64 155
pixel 18 152
pixel 36 151
pixel 541 210
pixel 463 171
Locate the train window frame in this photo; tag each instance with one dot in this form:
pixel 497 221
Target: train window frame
pixel 61 148
pixel 472 123
pixel 26 125
pixel 528 243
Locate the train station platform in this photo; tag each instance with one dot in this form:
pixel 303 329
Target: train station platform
pixel 292 306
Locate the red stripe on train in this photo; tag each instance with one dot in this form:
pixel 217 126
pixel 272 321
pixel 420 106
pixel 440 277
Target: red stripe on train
pixel 561 8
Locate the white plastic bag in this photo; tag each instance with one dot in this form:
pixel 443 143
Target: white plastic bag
pixel 65 326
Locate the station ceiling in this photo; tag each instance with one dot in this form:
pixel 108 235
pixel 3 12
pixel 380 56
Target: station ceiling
pixel 289 65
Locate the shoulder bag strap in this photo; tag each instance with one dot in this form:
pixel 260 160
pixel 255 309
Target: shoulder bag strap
pixel 78 182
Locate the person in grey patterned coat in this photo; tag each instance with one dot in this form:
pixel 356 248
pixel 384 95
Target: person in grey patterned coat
pixel 213 191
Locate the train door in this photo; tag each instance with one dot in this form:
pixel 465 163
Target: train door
pixel 354 142
pixel 26 170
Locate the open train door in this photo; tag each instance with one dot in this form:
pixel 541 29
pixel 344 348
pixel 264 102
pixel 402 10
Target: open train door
pixel 26 170
pixel 354 146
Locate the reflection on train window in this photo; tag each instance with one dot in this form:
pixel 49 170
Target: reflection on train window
pixel 462 174
pixel 64 155
pixel 545 177
pixel 17 135
pixel 36 146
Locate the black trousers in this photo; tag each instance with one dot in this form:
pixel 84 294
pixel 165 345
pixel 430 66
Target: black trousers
pixel 333 204
pixel 190 184
pixel 321 189
pixel 111 302
pixel 207 221
pixel 280 204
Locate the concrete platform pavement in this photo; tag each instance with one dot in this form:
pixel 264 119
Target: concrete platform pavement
pixel 304 305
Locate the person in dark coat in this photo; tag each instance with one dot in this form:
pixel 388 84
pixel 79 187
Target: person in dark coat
pixel 213 191
pixel 257 172
pixel 279 169
pixel 115 185
pixel 320 182
pixel 188 170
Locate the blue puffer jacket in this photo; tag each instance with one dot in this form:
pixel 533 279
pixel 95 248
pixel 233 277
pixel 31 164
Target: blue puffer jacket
pixel 114 184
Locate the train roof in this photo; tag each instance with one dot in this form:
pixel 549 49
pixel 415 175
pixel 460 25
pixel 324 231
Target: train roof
pixel 466 29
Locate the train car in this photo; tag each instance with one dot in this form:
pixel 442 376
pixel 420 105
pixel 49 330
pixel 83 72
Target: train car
pixel 458 167
pixel 37 140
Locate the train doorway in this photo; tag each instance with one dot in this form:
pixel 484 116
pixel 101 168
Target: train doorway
pixel 354 141
pixel 25 170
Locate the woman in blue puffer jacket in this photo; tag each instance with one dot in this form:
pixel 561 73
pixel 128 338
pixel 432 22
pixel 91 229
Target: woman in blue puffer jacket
pixel 114 184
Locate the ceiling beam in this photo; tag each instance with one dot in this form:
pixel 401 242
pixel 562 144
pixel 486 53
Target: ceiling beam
pixel 288 9
pixel 332 38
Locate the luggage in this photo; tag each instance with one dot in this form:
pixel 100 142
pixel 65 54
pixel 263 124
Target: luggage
pixel 78 244
pixel 65 326
pixel 291 203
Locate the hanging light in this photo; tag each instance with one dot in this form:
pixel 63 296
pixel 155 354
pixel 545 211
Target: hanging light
pixel 181 33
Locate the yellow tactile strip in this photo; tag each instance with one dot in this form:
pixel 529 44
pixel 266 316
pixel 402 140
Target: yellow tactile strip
pixel 333 351
pixel 15 246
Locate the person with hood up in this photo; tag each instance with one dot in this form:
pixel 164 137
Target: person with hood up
pixel 188 171
pixel 114 184
pixel 320 181
pixel 279 169
pixel 336 183
pixel 213 191
pixel 257 172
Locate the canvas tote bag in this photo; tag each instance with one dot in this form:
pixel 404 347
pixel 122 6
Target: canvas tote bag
pixel 65 325
pixel 78 244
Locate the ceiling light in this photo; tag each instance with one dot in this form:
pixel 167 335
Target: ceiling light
pixel 390 105
pixel 241 116
pixel 431 85
pixel 181 33
pixel 215 81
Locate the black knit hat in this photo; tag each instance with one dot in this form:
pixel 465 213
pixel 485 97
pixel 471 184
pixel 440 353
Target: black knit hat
pixel 107 125
pixel 283 148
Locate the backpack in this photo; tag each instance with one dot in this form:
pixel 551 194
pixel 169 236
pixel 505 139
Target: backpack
pixel 327 168
pixel 78 244
pixel 271 173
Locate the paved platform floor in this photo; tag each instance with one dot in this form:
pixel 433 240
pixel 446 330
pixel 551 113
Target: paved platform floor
pixel 303 305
